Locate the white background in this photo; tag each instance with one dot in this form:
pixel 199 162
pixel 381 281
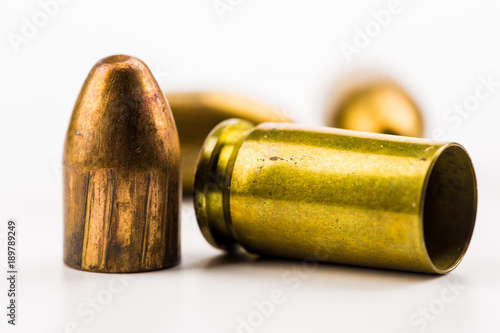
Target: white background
pixel 285 53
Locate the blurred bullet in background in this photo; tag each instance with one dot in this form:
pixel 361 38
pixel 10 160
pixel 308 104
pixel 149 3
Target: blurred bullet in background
pixel 197 113
pixel 371 102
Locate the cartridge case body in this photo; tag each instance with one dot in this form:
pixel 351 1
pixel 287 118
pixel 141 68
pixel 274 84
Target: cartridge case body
pixel 121 173
pixel 197 113
pixel 336 195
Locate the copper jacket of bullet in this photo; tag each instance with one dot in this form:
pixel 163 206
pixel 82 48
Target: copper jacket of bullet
pixel 335 195
pixel 197 113
pixel 122 173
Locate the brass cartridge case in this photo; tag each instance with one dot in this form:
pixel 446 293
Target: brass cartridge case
pixel 336 195
pixel 374 103
pixel 122 173
pixel 197 113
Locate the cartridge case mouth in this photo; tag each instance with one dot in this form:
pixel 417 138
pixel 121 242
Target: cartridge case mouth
pixel 449 208
pixel 213 180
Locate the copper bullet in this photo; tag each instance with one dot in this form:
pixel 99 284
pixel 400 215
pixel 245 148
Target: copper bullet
pixel 197 113
pixel 374 103
pixel 122 173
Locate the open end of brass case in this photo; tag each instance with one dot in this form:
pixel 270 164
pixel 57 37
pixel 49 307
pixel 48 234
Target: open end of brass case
pixel 449 208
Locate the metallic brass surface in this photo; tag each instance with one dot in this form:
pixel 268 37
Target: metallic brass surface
pixel 336 195
pixel 121 173
pixel 197 113
pixel 375 104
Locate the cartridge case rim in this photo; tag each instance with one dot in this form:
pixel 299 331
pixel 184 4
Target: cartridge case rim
pixel 213 179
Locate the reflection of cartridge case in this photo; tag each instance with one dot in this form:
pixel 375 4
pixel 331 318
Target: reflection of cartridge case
pixel 373 103
pixel 197 113
pixel 335 195
pixel 121 173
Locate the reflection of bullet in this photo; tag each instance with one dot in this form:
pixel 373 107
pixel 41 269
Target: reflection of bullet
pixel 121 173
pixel 325 194
pixel 197 113
pixel 372 103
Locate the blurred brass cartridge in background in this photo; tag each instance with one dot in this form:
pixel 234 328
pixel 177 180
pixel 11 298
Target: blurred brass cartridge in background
pixel 121 173
pixel 335 195
pixel 371 102
pixel 197 113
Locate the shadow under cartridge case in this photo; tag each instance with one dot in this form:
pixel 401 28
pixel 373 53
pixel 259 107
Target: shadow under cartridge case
pixel 197 113
pixel 336 195
pixel 122 173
